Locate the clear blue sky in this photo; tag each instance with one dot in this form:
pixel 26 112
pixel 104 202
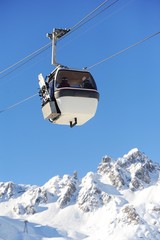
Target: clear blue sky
pixel 33 150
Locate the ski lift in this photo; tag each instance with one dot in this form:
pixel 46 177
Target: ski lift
pixel 69 96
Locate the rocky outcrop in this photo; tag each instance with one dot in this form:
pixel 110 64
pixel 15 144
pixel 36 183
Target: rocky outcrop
pixel 11 190
pixel 133 170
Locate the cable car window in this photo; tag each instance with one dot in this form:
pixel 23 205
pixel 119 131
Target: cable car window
pixel 75 78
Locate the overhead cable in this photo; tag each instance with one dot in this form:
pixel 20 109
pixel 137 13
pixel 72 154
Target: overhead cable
pixel 90 17
pixel 23 63
pixel 35 53
pixel 124 50
pixel 18 103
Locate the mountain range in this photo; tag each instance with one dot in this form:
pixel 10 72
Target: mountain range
pixel 120 201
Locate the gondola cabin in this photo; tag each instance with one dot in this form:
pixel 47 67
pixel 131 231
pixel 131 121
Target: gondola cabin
pixel 69 97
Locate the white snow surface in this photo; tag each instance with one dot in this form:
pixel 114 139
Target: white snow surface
pixel 118 202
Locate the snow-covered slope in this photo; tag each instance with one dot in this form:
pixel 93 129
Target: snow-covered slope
pixel 118 202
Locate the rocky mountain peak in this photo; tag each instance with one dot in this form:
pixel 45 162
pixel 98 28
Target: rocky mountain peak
pixel 133 170
pixel 10 190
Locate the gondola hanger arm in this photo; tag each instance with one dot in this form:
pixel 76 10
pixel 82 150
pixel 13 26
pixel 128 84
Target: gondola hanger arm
pixel 54 36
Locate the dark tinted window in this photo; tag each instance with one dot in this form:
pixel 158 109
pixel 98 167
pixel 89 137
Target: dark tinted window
pixel 74 77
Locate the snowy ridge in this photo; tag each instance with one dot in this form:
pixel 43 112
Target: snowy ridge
pixel 120 201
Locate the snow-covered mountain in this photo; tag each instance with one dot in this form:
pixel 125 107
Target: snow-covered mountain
pixel 121 201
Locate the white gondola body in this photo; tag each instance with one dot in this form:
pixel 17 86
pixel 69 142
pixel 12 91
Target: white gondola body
pixel 71 105
pixel 82 108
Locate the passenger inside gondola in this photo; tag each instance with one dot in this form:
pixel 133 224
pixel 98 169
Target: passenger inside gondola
pixel 64 83
pixel 86 83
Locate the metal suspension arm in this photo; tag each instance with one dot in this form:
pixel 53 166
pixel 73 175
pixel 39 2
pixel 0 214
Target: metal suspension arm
pixel 54 36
